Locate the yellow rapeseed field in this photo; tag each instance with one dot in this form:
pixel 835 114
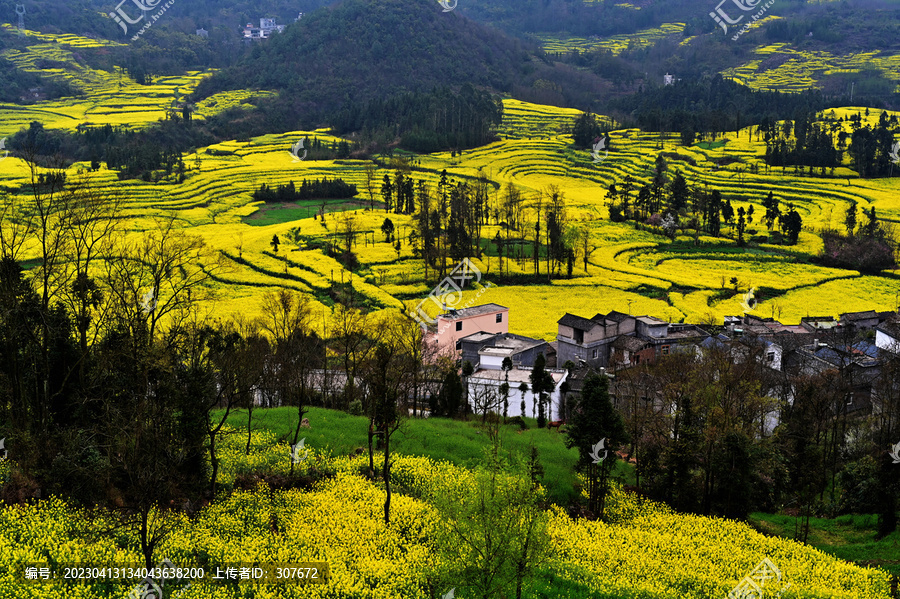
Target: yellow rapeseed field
pixel 664 279
pixel 644 550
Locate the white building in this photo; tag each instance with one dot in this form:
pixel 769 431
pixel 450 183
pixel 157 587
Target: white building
pixel 484 388
pixel 264 31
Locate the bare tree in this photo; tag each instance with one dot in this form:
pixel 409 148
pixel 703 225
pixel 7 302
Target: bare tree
pixel 371 179
pixel 92 229
pixel 297 350
pixel 158 278
pixel 391 373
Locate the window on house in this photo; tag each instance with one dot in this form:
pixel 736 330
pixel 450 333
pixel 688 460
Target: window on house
pixel 500 317
pixel 850 398
pixel 458 325
pixel 459 345
pixel 665 350
pixel 770 357
pixel 594 354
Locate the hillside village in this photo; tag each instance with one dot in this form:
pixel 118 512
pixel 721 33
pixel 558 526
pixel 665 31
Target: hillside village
pixel 854 346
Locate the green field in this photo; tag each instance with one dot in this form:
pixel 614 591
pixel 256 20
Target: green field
pixel 458 442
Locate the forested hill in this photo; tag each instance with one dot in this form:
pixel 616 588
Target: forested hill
pixel 363 49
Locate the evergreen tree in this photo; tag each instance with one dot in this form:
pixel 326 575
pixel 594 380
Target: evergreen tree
pixel 772 210
pixel 592 420
pixel 791 224
pixel 850 219
pixel 542 385
pixel 678 193
pixel 387 193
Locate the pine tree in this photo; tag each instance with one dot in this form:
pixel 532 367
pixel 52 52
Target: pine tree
pixel 850 219
pixel 542 385
pixel 592 420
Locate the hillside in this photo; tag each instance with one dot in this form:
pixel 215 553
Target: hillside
pixel 644 550
pixel 358 50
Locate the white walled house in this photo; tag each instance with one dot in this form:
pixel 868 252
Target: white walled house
pixel 887 337
pixel 483 386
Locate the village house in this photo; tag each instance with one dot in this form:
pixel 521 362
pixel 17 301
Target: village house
pixel 487 350
pixel 858 363
pixel 483 387
pixel 617 339
pixel 454 325
pixel 860 320
pixel 589 339
pixel 887 337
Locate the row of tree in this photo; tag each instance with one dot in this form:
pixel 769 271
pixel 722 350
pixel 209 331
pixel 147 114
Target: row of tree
pixel 308 190
pixel 673 204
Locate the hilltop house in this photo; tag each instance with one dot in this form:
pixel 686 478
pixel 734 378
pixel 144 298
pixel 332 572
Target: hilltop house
pixel 264 31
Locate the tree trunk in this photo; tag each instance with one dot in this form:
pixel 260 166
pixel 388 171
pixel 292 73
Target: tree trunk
pixel 371 450
pixel 146 543
pixel 387 476
pixel 249 429
pixel 214 461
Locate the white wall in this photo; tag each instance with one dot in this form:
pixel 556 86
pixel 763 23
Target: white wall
pixel 479 386
pixel 886 342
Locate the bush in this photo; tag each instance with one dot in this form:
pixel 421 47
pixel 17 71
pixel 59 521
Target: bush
pixel 356 407
pixel 517 421
pixel 865 254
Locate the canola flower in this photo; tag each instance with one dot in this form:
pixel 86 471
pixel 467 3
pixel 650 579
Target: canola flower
pixel 644 549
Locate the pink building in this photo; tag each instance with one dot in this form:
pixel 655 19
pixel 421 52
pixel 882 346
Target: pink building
pixel 453 325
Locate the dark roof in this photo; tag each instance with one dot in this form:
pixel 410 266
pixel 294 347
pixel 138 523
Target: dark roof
pixel 892 329
pixel 627 342
pixel 719 341
pixel 479 337
pixel 866 348
pixel 518 343
pixel 859 315
pixel 576 322
pixel 473 311
pixel 617 316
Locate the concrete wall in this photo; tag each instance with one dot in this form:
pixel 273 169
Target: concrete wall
pixel 477 386
pixel 447 335
pixel 886 342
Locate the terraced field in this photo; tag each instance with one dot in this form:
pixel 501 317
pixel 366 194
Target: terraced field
pixel 106 97
pixel 615 44
pixel 629 269
pixel 785 69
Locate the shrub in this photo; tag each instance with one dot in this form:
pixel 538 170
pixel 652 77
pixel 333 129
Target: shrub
pixel 517 421
pixel 356 407
pixel 865 254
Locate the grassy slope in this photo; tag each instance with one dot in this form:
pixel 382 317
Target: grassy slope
pixel 850 537
pixel 461 443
